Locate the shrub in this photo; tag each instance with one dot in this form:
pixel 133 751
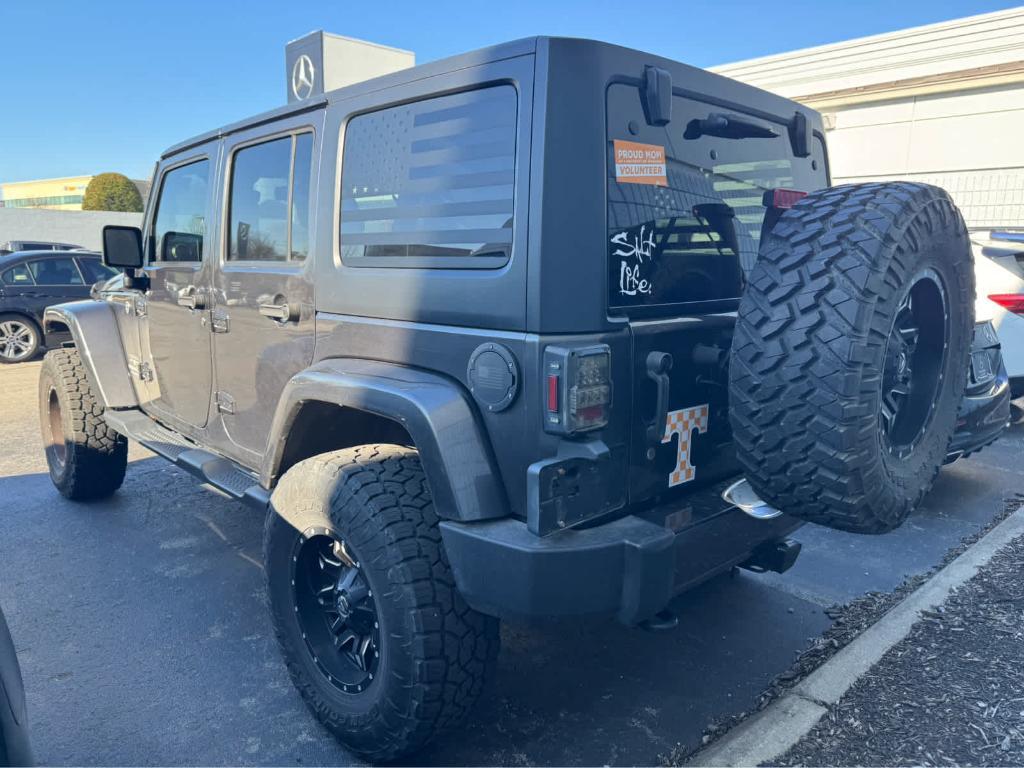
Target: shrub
pixel 112 192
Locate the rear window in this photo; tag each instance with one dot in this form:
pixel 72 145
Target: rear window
pixel 431 184
pixel 690 233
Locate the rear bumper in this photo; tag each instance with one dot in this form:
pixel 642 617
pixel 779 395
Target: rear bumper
pixel 985 410
pixel 630 567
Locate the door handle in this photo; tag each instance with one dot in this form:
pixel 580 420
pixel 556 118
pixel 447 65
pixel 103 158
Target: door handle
pixel 658 366
pixel 283 313
pixel 191 299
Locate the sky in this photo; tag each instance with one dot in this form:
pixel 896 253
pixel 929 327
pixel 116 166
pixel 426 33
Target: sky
pixel 93 86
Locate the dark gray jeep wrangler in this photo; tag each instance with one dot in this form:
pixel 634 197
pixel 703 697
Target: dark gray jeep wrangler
pixel 500 336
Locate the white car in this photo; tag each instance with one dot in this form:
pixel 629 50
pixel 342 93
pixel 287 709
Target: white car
pixel 999 273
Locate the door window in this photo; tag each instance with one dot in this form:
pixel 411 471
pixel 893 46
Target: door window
pixel 181 214
pixel 18 275
pixel 269 209
pixel 95 270
pixel 55 272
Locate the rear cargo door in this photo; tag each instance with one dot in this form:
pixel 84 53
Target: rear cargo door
pixel 686 206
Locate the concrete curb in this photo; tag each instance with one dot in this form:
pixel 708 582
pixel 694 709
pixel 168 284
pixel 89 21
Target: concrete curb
pixel 771 732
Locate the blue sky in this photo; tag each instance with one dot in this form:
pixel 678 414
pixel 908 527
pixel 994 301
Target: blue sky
pixel 92 86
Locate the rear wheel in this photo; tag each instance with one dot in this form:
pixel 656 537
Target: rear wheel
pixel 87 459
pixel 376 637
pixel 851 351
pixel 20 339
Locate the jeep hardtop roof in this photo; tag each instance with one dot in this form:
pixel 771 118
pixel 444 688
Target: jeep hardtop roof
pixel 697 79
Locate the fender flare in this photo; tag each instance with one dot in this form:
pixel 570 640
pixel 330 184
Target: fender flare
pixel 435 411
pixel 94 328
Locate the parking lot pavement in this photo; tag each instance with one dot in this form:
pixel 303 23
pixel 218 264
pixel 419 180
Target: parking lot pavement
pixel 143 636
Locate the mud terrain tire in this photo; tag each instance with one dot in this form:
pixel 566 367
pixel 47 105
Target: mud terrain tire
pixel 87 459
pixel 434 651
pixel 859 291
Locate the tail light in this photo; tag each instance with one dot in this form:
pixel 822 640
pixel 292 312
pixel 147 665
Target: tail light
pixel 782 198
pixel 1012 302
pixel 578 388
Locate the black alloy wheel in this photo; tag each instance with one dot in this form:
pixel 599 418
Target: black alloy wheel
pixel 915 356
pixel 336 611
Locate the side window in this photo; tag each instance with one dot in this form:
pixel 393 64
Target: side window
pixel 18 275
pixel 270 200
pixel 95 270
pixel 55 272
pixel 431 184
pixel 181 214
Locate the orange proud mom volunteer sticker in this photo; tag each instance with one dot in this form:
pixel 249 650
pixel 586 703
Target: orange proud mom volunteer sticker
pixel 637 163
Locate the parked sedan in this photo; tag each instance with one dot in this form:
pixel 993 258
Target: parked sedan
pixel 30 281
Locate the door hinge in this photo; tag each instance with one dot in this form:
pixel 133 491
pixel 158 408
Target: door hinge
pixel 225 402
pixel 140 306
pixel 140 369
pixel 219 322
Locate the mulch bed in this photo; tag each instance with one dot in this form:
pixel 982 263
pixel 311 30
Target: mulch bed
pixel 849 621
pixel 951 693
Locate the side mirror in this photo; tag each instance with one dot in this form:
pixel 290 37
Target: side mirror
pixel 122 247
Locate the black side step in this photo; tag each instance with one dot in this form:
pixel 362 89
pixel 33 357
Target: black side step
pixel 219 472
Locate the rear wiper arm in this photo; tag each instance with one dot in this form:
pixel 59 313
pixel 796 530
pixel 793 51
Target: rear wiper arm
pixel 727 127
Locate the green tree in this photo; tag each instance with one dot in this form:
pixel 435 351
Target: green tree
pixel 112 192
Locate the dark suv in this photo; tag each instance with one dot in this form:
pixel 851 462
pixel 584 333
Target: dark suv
pixel 501 335
pixel 31 281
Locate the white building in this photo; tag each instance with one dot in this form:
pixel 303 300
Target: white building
pixel 942 104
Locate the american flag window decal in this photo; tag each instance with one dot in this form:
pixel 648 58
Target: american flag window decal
pixel 431 183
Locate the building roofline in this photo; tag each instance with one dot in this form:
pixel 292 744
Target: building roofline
pixel 908 32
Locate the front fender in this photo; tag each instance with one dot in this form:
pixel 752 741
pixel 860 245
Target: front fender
pixel 94 328
pixel 435 411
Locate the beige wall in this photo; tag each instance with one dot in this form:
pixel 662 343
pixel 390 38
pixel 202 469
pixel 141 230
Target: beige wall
pixel 941 104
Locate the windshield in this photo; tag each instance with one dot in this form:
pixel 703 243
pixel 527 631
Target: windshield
pixel 685 200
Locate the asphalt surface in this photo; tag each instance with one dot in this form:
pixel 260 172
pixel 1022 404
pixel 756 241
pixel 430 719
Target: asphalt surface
pixel 950 693
pixel 144 639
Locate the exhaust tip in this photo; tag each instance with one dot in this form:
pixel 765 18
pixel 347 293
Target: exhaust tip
pixel 741 495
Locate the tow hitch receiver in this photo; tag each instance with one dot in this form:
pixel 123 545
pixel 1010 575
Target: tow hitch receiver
pixel 777 556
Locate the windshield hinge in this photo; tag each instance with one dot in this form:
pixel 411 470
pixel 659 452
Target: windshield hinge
pixel 657 95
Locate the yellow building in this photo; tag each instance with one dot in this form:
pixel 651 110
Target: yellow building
pixel 56 194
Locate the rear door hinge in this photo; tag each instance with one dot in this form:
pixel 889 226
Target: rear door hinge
pixel 140 369
pixel 219 322
pixel 225 402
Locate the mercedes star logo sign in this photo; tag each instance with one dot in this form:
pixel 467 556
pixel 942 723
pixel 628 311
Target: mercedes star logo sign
pixel 303 75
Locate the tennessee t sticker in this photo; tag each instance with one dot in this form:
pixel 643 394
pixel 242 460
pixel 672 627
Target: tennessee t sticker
pixel 682 423
pixel 637 163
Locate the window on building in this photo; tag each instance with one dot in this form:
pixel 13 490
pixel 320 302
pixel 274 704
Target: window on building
pixel 430 184
pixel 18 275
pixel 270 202
pixel 55 272
pixel 181 214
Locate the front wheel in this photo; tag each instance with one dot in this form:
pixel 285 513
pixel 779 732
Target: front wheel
pixel 376 637
pixel 87 459
pixel 20 339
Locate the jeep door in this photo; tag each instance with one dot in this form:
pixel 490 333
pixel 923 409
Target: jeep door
pixel 263 292
pixel 173 330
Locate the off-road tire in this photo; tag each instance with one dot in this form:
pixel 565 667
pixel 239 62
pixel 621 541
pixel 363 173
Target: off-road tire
pixel 436 651
pixel 35 338
pixel 807 355
pixel 94 455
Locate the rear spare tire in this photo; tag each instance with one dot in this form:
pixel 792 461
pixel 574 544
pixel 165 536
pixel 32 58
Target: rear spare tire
pixel 850 355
